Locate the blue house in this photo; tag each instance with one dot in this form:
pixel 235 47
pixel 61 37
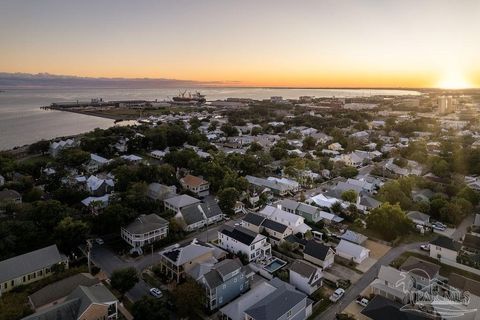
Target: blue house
pixel 226 281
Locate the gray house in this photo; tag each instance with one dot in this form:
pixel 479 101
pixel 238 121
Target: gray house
pixel 309 212
pixel 227 280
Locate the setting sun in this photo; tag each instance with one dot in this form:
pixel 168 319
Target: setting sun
pixel 454 81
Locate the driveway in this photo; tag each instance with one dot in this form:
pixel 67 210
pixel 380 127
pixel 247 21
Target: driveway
pixel 354 290
pixel 462 227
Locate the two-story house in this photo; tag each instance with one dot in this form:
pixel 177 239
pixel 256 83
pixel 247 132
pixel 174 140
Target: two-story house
pixel 30 267
pixel 319 254
pixel 197 185
pixel 84 303
pixel 177 260
pixel 305 276
pixel 227 280
pixel 241 240
pixel 176 203
pixel 198 215
pixel 145 230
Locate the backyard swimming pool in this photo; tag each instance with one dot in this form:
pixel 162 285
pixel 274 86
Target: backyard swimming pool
pixel 275 265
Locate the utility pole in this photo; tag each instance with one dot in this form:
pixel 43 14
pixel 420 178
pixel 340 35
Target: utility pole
pixel 89 249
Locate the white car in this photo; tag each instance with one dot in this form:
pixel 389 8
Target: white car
pixel 337 295
pixel 156 292
pixel 99 241
pixel 363 302
pixel 439 227
pixel 425 247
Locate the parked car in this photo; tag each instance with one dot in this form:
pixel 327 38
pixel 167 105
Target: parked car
pixel 362 301
pixel 156 292
pixel 439 226
pixel 99 241
pixel 425 247
pixel 337 295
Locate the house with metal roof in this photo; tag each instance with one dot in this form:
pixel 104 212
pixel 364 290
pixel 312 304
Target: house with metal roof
pixel 145 230
pixel 241 240
pixel 178 202
pixel 271 300
pixel 30 267
pixel 226 281
pixel 352 251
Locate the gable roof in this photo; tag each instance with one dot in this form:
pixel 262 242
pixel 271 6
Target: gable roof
pixel 447 243
pixel 350 248
pixel 417 215
pixel 289 204
pixel 464 284
pixel 181 254
pixel 253 218
pixel 273 225
pixel 316 249
pixel 146 223
pixel 471 241
pixel 276 304
pixel 214 277
pixel 193 180
pixel 239 233
pixel 29 262
pixel 181 201
pixel 60 289
pixel 305 269
pixel 420 267
pixel 354 237
pixel 380 308
pixel 9 194
pixel 192 214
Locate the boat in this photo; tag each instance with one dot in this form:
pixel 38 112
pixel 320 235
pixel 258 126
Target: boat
pixel 184 98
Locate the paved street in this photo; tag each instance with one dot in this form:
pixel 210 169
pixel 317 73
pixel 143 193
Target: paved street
pixel 108 261
pixel 352 292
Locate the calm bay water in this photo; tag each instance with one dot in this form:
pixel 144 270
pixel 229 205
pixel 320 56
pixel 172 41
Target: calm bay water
pixel 23 122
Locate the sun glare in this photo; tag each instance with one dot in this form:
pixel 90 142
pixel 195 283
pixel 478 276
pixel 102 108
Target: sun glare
pixel 454 82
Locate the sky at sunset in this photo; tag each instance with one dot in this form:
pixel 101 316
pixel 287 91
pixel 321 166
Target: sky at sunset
pixel 318 43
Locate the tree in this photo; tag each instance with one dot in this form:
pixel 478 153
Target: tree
pixel 389 221
pixel 113 218
pixel 392 192
pixel 149 308
pixel 350 196
pixel 337 207
pixel 190 294
pixel 309 143
pixel 348 172
pixel 70 233
pixel 73 157
pixel 41 146
pixel 469 194
pixel 441 168
pixel 226 200
pixel 123 280
pixel 229 130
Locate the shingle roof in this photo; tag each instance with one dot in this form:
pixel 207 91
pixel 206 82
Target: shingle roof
pixel 238 233
pixel 211 207
pixel 471 241
pixel 354 237
pixel 303 268
pixel 187 252
pixel 192 214
pixel 420 267
pixel 316 249
pixel 447 243
pixel 465 284
pixel 60 289
pixel 380 308
pixel 146 223
pixel 289 204
pixel 29 262
pixel 214 278
pixel 9 194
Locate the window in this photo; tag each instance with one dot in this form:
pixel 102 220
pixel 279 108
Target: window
pixel 224 286
pixel 289 313
pixel 235 280
pixel 252 247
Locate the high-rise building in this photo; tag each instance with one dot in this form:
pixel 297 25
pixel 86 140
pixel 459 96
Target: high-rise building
pixel 445 104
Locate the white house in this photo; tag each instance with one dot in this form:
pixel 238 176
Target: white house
pixel 178 202
pixel 319 254
pixel 352 251
pixel 57 146
pixel 445 248
pixel 238 239
pixel 145 230
pixel 305 276
pixel 294 222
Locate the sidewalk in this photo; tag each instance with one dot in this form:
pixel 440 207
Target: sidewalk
pixel 124 312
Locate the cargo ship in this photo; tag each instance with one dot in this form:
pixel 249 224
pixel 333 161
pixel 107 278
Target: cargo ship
pixel 189 98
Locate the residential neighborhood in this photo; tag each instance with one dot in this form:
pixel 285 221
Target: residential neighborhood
pixel 330 213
